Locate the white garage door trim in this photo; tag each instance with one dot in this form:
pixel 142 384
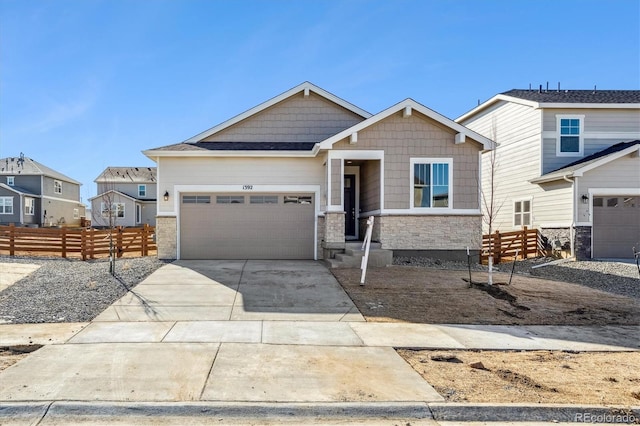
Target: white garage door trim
pixel 606 192
pixel 178 190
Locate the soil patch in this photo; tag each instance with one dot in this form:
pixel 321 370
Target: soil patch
pixel 12 354
pixel 598 378
pixel 436 296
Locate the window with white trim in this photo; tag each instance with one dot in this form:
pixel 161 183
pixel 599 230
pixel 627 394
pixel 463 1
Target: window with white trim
pixel 76 213
pixel 6 205
pixel 57 186
pixel 29 205
pixel 116 210
pixel 570 135
pixel 432 182
pixel 522 213
pixel 11 180
pixel 142 190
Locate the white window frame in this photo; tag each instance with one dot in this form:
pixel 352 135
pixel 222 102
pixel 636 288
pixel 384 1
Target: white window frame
pixel 559 151
pixel 522 213
pixel 142 193
pixel 29 206
pixel 76 213
pixel 105 213
pixel 413 162
pixel 11 180
pixel 57 186
pixel 5 203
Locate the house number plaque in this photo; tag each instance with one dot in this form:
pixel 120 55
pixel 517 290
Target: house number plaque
pixel 247 187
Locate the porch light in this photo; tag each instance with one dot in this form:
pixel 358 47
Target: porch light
pixel 585 199
pixel 166 195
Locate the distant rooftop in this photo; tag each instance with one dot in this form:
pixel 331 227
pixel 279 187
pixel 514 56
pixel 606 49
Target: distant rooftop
pixel 27 166
pixel 577 96
pixel 127 174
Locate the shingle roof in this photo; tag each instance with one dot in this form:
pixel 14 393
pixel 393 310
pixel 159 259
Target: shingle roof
pixel 128 174
pixel 28 166
pixel 577 96
pixel 240 146
pixel 589 159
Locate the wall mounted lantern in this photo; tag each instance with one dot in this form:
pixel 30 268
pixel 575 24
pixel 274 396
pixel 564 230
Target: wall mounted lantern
pixel 585 199
pixel 166 195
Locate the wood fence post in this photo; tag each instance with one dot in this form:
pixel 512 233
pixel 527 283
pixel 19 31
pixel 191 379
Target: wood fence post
pixel 119 241
pixel 83 243
pixel 497 248
pixel 524 240
pixel 145 237
pixel 12 239
pixel 92 243
pixel 63 236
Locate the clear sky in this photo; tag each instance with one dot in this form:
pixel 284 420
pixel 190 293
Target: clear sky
pixel 86 84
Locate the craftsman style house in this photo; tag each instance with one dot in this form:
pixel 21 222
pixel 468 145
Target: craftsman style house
pixel 566 163
pixel 126 197
pixel 32 194
pixel 298 175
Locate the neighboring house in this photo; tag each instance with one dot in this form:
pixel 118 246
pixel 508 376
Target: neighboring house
pixel 32 194
pixel 298 175
pixel 127 195
pixel 567 164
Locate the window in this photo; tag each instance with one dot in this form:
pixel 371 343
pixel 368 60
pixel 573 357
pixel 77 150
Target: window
pixel 196 199
pixel 142 190
pixel 11 180
pixel 569 135
pixel 138 213
pixel 230 199
pixel 263 199
pixel 522 213
pixel 76 213
pixel 57 187
pixel 6 205
pixel 431 180
pixel 117 209
pixel 29 204
pixel 297 199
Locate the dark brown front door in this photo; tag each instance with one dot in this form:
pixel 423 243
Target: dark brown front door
pixel 350 205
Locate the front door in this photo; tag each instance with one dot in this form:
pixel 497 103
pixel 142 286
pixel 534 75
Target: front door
pixel 350 205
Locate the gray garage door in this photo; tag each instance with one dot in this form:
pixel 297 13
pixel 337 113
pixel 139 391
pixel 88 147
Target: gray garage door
pixel 247 226
pixel 616 226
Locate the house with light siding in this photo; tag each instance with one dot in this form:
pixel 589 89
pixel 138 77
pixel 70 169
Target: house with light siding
pixel 32 194
pixel 297 176
pixel 126 197
pixel 566 163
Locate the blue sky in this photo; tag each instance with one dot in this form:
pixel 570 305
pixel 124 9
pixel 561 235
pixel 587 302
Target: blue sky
pixel 86 84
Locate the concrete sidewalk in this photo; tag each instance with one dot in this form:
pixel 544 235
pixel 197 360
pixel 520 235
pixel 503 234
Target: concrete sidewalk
pixel 215 334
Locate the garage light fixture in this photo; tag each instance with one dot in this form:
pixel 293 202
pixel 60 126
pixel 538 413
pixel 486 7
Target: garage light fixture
pixel 166 195
pixel 585 199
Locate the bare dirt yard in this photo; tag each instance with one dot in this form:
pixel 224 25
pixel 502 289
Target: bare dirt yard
pixel 440 296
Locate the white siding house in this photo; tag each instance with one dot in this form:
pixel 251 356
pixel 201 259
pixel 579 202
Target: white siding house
pixel 558 154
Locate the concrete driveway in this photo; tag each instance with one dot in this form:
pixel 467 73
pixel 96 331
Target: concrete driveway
pixel 201 290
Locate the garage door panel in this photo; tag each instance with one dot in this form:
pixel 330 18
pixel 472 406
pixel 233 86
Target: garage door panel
pixel 616 226
pixel 261 230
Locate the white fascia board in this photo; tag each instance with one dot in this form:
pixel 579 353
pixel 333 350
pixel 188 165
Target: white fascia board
pixel 606 159
pixel 589 106
pixel 495 99
pixel 304 87
pixel 46 197
pixel 122 194
pixel 486 143
pixel 612 191
pixel 551 178
pixel 436 211
pixel 154 154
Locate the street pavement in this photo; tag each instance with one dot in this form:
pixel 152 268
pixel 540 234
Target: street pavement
pixel 254 342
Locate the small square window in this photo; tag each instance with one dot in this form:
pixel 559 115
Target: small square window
pixel 630 202
pixel 142 190
pixel 522 213
pixel 598 202
pixel 230 199
pixel 76 213
pixel 612 202
pixel 569 142
pixel 11 180
pixel 57 187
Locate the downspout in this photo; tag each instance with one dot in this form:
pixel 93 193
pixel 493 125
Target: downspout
pixel 573 217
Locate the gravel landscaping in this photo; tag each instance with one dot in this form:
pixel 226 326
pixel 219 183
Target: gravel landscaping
pixel 613 277
pixel 64 290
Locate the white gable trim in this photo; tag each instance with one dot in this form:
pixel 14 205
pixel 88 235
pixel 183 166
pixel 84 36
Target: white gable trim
pixel 305 87
pixel 402 106
pixel 606 159
pixel 495 99
pixel 115 192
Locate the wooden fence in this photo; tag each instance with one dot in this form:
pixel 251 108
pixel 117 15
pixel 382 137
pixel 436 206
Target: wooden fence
pixel 527 243
pixel 82 243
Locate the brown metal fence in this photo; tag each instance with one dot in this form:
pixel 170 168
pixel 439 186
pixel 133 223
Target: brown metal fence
pixel 81 243
pixel 526 243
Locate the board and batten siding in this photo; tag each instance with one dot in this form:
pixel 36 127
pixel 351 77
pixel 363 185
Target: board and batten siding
pixel 621 173
pixel 417 136
pixel 295 119
pixel 601 129
pixel 236 171
pixel 516 128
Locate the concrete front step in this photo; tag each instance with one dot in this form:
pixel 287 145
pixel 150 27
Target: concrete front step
pixel 352 257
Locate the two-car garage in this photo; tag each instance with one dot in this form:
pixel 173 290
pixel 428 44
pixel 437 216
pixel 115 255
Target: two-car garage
pixel 247 226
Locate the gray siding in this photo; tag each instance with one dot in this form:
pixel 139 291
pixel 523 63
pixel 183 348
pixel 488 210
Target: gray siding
pixel 295 119
pixel 131 189
pixel 30 183
pixel 418 136
pixel 70 191
pixel 14 218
